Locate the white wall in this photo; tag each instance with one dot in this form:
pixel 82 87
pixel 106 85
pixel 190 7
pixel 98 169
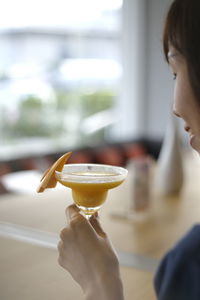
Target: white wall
pixel 131 109
pixel 147 87
pixel 159 84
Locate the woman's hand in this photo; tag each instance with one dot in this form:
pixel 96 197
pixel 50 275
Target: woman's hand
pixel 87 254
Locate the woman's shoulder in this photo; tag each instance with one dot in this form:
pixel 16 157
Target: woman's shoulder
pixel 179 271
pixel 189 243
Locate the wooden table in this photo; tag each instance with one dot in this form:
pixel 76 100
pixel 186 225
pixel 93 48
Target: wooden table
pixel 30 271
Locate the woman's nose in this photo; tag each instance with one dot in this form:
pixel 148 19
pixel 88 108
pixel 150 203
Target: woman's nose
pixel 175 113
pixel 175 110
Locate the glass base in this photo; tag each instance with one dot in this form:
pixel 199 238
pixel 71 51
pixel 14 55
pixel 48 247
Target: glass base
pixel 88 211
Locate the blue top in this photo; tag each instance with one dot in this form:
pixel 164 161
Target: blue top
pixel 178 276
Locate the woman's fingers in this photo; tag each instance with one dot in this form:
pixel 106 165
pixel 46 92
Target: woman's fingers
pixel 97 226
pixel 72 211
pixel 60 245
pixel 79 225
pixel 75 219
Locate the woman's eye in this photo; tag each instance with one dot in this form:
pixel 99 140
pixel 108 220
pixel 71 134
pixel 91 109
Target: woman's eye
pixel 174 76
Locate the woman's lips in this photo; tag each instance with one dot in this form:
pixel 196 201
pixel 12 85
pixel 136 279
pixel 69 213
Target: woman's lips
pixel 188 129
pixel 191 135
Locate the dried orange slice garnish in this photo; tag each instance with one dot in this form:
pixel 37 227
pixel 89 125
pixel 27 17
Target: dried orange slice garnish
pixel 48 179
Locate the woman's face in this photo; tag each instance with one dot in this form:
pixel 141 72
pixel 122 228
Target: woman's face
pixel 185 105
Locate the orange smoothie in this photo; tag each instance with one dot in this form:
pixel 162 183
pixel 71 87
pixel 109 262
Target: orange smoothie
pixel 87 193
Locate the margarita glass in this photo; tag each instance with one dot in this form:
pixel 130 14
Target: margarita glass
pixel 90 183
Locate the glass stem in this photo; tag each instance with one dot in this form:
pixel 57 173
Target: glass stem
pixel 87 217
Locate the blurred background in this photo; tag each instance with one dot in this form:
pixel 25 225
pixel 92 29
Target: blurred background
pixel 81 75
pixel 60 65
pixel 76 74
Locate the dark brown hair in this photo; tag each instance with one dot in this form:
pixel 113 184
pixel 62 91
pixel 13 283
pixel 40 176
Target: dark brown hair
pixel 182 31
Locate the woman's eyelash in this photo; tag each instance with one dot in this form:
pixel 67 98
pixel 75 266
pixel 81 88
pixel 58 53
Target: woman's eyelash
pixel 174 76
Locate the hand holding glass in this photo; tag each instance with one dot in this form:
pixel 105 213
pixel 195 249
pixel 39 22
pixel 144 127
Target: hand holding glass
pixel 90 183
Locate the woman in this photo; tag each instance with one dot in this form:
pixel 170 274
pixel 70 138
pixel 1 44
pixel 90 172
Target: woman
pixel 85 250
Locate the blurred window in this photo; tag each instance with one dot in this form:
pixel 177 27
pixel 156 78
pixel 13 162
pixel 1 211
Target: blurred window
pixel 60 67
